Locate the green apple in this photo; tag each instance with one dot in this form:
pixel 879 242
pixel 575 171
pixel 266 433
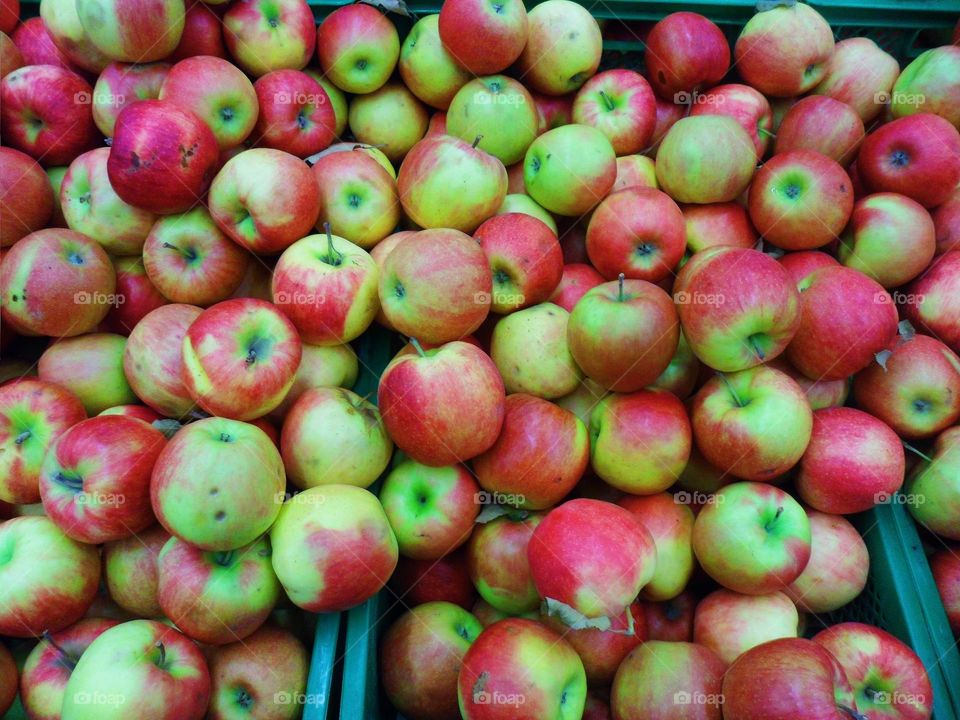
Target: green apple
pixel 427 68
pixel 91 367
pixel 521 203
pixel 570 169
pixel 392 118
pixel 500 112
pixel 934 487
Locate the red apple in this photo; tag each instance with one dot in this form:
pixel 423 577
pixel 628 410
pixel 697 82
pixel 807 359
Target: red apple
pixel 130 571
pixel 265 35
pixel 717 224
pixel 296 115
pixel 820 393
pixel 552 111
pixel 730 623
pixel 37 46
pixel 745 105
pixel 635 171
pixel 671 620
pixel 358 48
pixel 620 104
pixel 945 566
pixel 121 84
pixel 497 560
pixel 576 280
pixel 685 53
pixel 140 296
pixel 930 301
pixel 946 221
pixel 483 39
pixel 26 198
pixel 859 74
pixel 91 366
pixel 801 264
pixel 446 579
pixel 824 125
pixel 202 34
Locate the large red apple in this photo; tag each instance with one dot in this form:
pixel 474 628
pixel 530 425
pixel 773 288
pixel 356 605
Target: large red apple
pixel 685 53
pixel 824 125
pixel 483 39
pixel 26 198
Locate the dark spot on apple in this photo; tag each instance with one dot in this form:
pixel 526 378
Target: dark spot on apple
pixel 661 78
pixel 186 154
pixel 85 198
pixel 572 35
pixel 899 158
pixel 535 164
pixel 843 187
pixel 14 298
pixel 75 258
pixel 214 491
pixel 134 161
pixel 220 516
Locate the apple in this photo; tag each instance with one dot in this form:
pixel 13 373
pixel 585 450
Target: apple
pixel 576 280
pixel 230 112
pixel 68 35
pixel 499 111
pixel 561 551
pixel 635 171
pixel 888 678
pixel 569 169
pixel 427 67
pixel 265 200
pixel 437 124
pixel 421 654
pixel 121 84
pixel 730 623
pixel 931 304
pixel 789 677
pixel 705 159
pixel 946 221
pixel 752 538
pixel 26 199
pixel 520 202
pixel 620 104
pixel 140 296
pixel 358 48
pixel 216 597
pixel 859 74
pixel 638 232
pixel 800 200
pixel 890 238
pixel 130 571
pixel 928 85
pixel 784 51
pixel 623 334
pixel 143 662
pixel 95 478
pixel 221 516
pixel 33 414
pixel 685 53
pixel 320 366
pixel 153 361
pixel 446 183
pixel 717 224
pixel 934 490
pixel 91 367
pixel 483 39
pixel 553 110
pixel 671 620
pixel 265 35
pixel 202 34
pixel 821 124
pixel 917 156
pixel 497 561
pixel 745 105
pixel 391 118
pixel 296 114
pixel 49 580
pixel 333 547
pixel 358 197
pixel 444 405
pixel 162 157
pixel 830 345
pixel 563 47
pixel 46 113
pixel 671 525
pixel 668 113
pixel 36 44
pixel 666 680
pixel 682 374
pixel 838 567
pixel 945 567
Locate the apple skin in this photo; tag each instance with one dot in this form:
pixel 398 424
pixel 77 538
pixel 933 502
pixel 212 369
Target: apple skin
pixel 754 424
pixel 916 392
pixel 95 479
pixel 639 232
pixel 320 366
pixel 36 44
pixel 358 48
pixel 890 238
pixel 856 74
pixel 682 374
pixel 820 393
pixel 163 669
pixel 671 525
pixel 420 656
pixel 230 112
pixel 446 579
pixel 517 201
pixel 917 156
pixel 148 167
pixel 49 580
pixel 582 528
pixel 741 102
pixel 133 30
pixel 932 303
pixel 569 169
pixel 946 573
pixel 717 224
pixel 498 565
pixel 928 85
pixel 742 324
pixel 46 670
pixel 671 620
pixel 358 197
pixel 623 339
pixel 333 547
pixel 443 407
pixel 752 538
pixel 202 34
pixel 498 110
pixel 787 678
pixel 656 675
pixel 239 358
pixel 846 319
pixel 935 490
pixel 888 678
pixel 296 115
pixel 620 104
pixel 576 280
pixel 445 183
pixel 332 435
pixel 838 567
pixel 265 35
pixel 496 681
pixel 436 286
pixel 803 263
pixel 824 125
pixel 216 598
pixel 33 414
pixel 563 49
pixel 525 259
pixel 390 118
pixel 483 39
pixel 635 171
pixel 553 110
pixel 130 571
pixel 639 442
pixel 265 200
pixel 946 221
pixel 59 99
pixel 140 296
pixel 800 200
pixel 195 461
pixel 121 84
pixel 705 159
pixel 91 367
pixel 685 52
pixel 784 51
pixel 668 113
pixel 26 198
pixel 63 25
pixel 730 623
pixel 427 67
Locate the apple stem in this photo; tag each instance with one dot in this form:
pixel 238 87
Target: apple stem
pixel 477 141
pixel 223 557
pixel 757 350
pixel 761 131
pixel 22 437
pixel 68 660
pixel 851 712
pixel 419 348
pixel 917 452
pixel 334 255
pixel 606 100
pixel 620 279
pixel 163 653
pixel 733 392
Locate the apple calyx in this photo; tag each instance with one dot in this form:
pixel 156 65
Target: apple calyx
pixel 22 437
pixel 63 657
pixel 244 699
pixel 418 347
pixel 726 382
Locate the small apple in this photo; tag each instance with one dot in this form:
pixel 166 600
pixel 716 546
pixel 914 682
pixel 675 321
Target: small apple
pixel 26 200
pixel 931 300
pixel 945 566
pixel 296 114
pixel 620 104
pixel 671 525
pixel 929 85
pixel 498 110
pixel 320 366
pixel 934 489
pixel 576 280
pixel 36 44
pixel 744 104
pixel 682 375
pixel 715 224
pixel 391 118
pixel 63 25
pixel 946 221
pixel 358 48
pixel 671 620
pixel 202 34
pixel 498 565
pixel 121 84
pixel 140 296
pixel 635 171
pixel 427 67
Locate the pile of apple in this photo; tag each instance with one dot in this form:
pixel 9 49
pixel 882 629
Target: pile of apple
pixel 660 336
